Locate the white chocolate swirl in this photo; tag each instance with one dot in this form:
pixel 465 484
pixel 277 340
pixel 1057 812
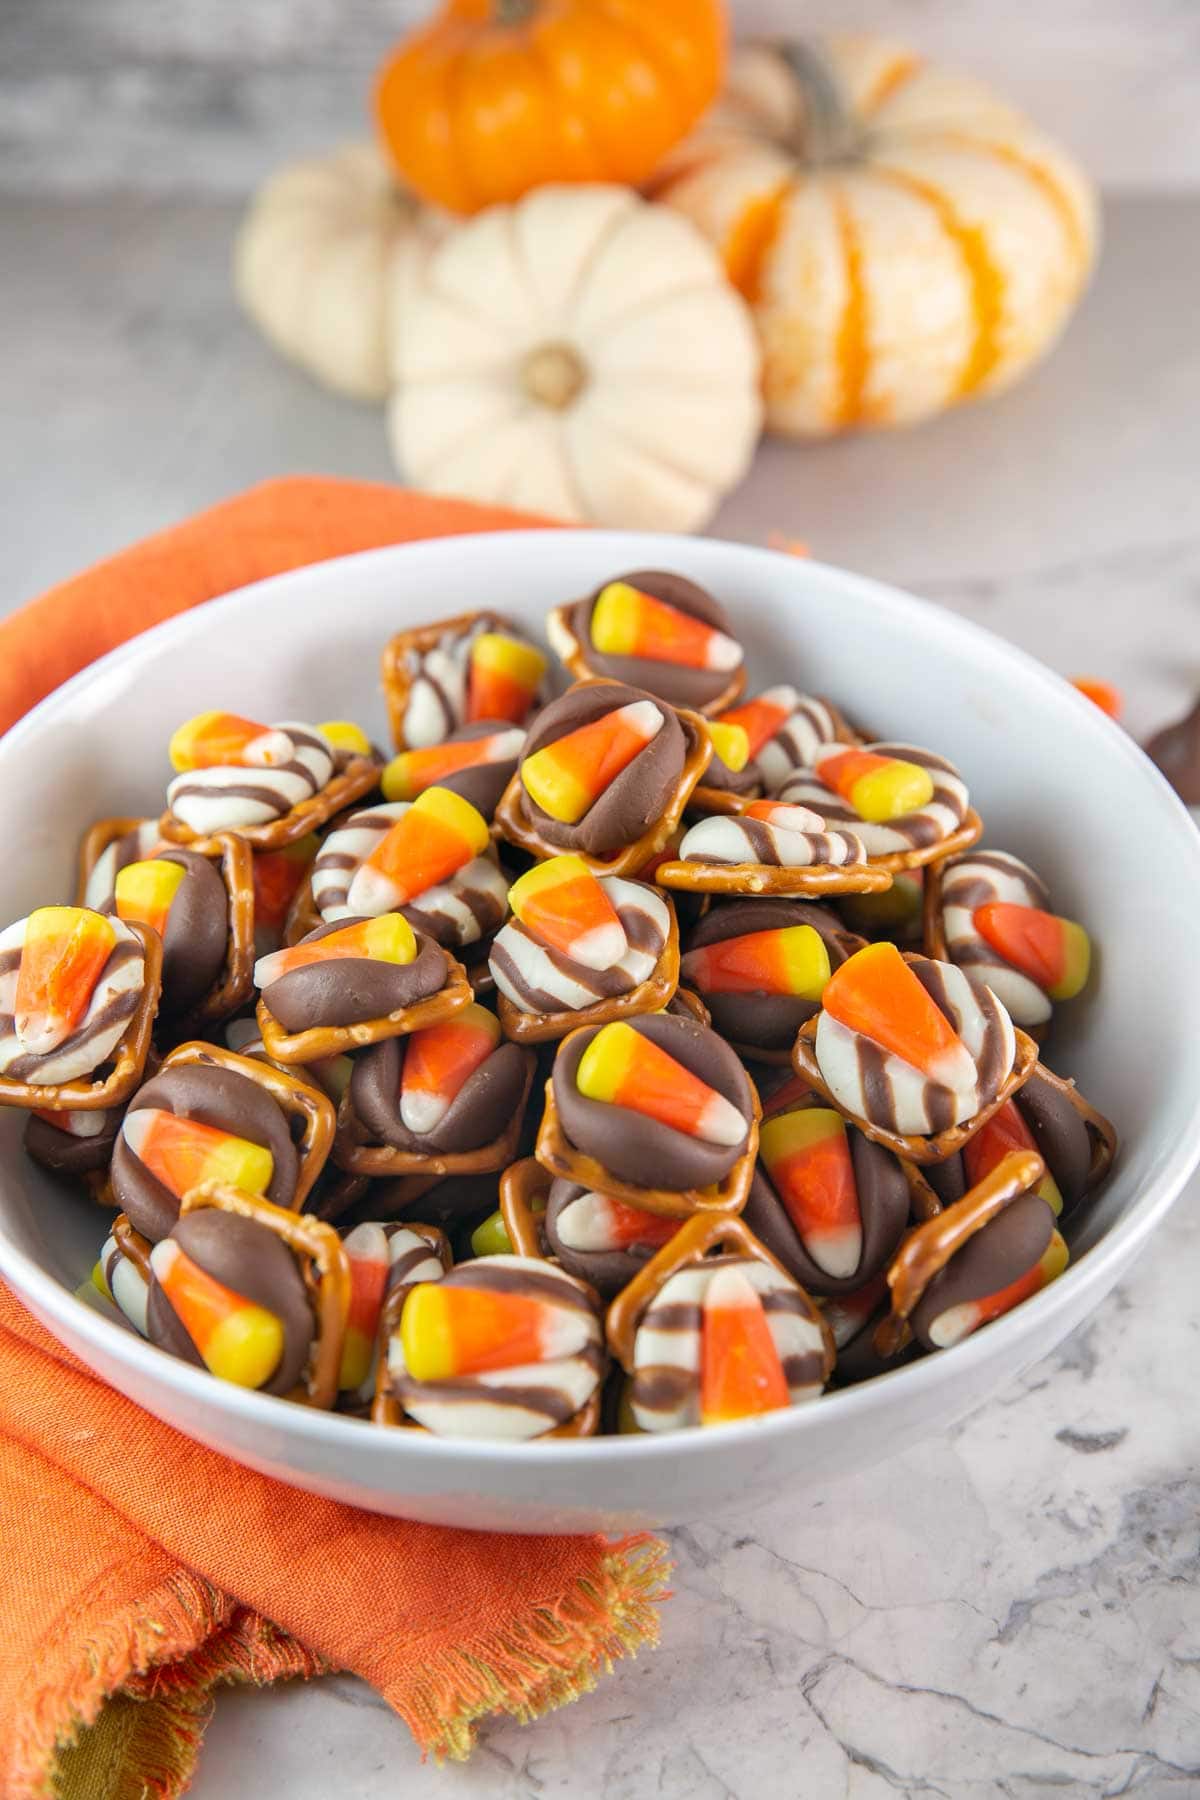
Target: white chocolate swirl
pixel 113 1003
pixel 126 1284
pixel 982 878
pixel 879 1086
pixel 524 1401
pixel 469 906
pixel 437 696
pixel 811 728
pixel 796 842
pixel 137 845
pixel 942 815
pixel 539 979
pixel 227 799
pixel 665 1392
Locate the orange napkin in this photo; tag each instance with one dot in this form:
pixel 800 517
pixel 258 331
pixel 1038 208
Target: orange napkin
pixel 139 1571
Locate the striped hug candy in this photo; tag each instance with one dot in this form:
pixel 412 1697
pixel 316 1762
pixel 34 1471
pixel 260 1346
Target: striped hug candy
pixel 456 911
pixel 382 1258
pixel 576 938
pixel 485 670
pixel 121 1281
pixel 70 982
pixel 132 846
pixel 912 1047
pixel 233 773
pixel 789 729
pixel 894 797
pixel 503 1347
pixel 772 835
pixel 998 925
pixel 1013 1257
pixel 728 1339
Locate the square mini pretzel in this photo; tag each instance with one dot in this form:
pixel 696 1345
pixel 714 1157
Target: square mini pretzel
pixel 324 1264
pixel 652 995
pixel 560 1157
pixel 512 823
pixel 352 783
pixel 692 1244
pixel 914 1149
pixel 352 1153
pixel 128 1056
pixel 96 841
pixel 297 1099
pixel 521 1187
pixel 394 671
pixel 334 1040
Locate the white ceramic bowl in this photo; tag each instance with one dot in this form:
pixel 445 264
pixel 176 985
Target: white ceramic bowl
pixel 1054 780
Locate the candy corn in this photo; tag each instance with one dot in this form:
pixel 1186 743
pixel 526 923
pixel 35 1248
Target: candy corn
pixel 876 993
pixel 62 958
pixel 503 679
pixel 439 1060
pixel 438 835
pixel 238 1341
pixel 628 622
pixel 879 788
pixel 594 1221
pixel 791 959
pixel 625 1068
pixel 366 1250
pixel 740 1371
pixel 569 775
pixel 807 1156
pixel 277 875
pixel 1006 1130
pixel 762 717
pixel 784 816
pixel 217 740
pixel 448 1331
pixel 730 743
pixel 410 773
pixel 389 938
pixel 562 903
pixel 182 1153
pixel 1055 953
pixel 344 734
pixel 144 892
pixel 958 1322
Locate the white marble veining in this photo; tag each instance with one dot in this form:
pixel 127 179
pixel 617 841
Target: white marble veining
pixel 1014 1609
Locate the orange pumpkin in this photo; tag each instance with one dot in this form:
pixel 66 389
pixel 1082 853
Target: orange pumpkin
pixel 904 239
pixel 494 97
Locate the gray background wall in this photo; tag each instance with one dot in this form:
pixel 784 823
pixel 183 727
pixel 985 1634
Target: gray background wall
pixel 204 96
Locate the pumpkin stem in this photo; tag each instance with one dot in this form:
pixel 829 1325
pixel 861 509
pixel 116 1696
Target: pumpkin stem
pixel 553 375
pixel 826 130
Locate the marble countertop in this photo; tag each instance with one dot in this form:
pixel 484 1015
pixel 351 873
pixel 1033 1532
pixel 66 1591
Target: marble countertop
pixel 1013 1609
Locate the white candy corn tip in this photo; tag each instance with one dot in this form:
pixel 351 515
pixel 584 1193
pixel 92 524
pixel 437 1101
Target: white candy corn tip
pixel 422 1111
pixel 268 969
pixel 836 1253
pixel 721 1123
pixel 955 1324
pixel 39 1033
pixel 371 893
pixel 722 653
pixel 269 750
pixel 642 716
pixel 366 1243
pixel 602 947
pixel 730 1291
pixel 785 698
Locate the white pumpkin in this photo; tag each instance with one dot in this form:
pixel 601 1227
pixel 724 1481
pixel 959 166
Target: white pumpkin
pixel 580 354
pixel 323 259
pixel 905 240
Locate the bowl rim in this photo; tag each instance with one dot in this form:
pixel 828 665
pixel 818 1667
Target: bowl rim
pixel 1084 1281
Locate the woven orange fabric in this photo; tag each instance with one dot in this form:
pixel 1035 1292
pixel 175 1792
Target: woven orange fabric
pixel 138 1571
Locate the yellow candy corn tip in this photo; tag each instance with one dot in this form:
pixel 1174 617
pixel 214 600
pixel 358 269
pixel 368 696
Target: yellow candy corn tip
pixel 554 788
pixel 73 924
pixel 1077 962
pixel 549 874
pixel 457 815
pixel 356 1358
pixel 246 1346
pixel 425 1335
pixel 344 734
pixel 605 1063
pixel 731 743
pixel 395 780
pixel 1055 1257
pixel 890 793
pixel 806 959
pixel 144 890
pixel 180 748
pixel 523 662
pixel 242 1164
pixel 615 619
pixel 99 1282
pixel 491 1237
pixel 1051 1193
pixel 391 939
pixel 787 1133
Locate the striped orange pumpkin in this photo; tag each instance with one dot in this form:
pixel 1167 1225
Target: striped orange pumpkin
pixel 905 240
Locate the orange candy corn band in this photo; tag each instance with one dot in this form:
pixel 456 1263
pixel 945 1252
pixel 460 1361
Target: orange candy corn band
pixel 408 775
pixel 440 1060
pixel 621 1067
pixel 876 994
pixel 627 621
pixel 503 679
pixel 741 1375
pixel 353 1152
pixel 563 904
pixel 807 1156
pixel 438 835
pixel 1053 952
pixel 567 776
pixel 63 956
pixel 389 938
pixel 579 659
